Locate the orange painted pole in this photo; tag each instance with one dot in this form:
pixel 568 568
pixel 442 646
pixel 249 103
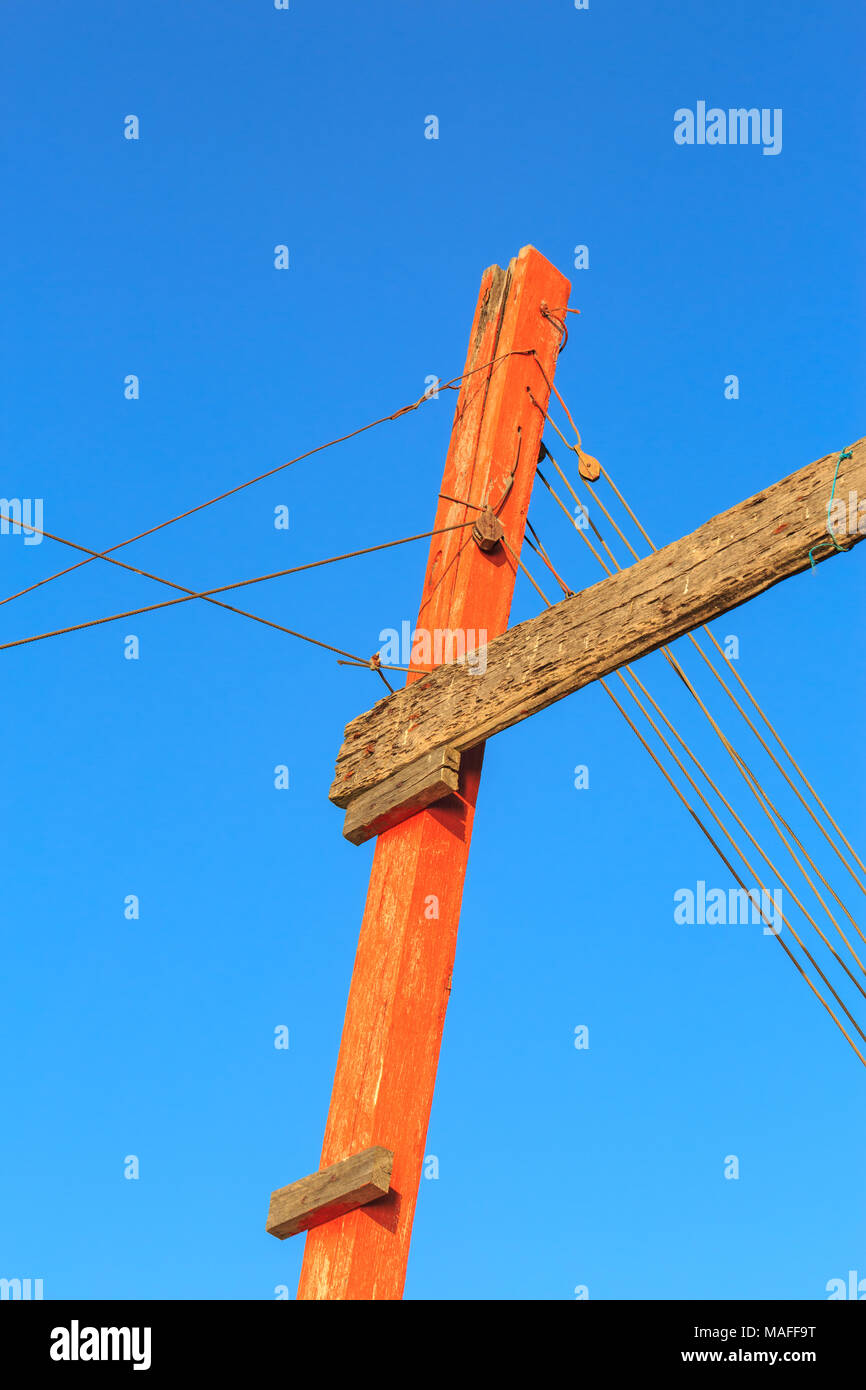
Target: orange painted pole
pixel 386 1070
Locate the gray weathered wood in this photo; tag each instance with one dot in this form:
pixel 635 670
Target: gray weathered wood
pixel 407 791
pixel 344 1186
pixel 730 559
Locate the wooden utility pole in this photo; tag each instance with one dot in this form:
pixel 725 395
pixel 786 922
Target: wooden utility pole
pixel 386 1071
pixel 409 769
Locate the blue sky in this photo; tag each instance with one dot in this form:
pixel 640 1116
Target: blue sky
pixel 155 777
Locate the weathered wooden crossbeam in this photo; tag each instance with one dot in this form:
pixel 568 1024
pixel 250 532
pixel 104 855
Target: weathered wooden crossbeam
pixel 351 1183
pixel 727 561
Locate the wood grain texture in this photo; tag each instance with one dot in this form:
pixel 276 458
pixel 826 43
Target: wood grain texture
pixel 344 1186
pixel 729 560
pixel 386 1069
pixel 403 795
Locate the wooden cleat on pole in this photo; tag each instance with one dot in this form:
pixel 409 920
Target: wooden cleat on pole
pixel 408 791
pixel 323 1196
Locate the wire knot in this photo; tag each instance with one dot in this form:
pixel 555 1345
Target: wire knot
pixel 822 545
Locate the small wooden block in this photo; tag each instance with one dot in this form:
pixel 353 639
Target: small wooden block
pixel 407 791
pixel 311 1201
pixel 488 530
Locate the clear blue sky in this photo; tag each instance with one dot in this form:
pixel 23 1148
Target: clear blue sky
pixel 155 777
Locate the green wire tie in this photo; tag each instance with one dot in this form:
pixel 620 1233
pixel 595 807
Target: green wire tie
pixel 845 454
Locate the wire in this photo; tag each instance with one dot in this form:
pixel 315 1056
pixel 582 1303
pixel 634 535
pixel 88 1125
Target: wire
pixel 460 502
pixel 789 755
pixel 764 800
pixel 719 678
pixel 514 555
pixel 730 867
pixel 558 500
pixel 736 847
pixel 341 439
pixel 189 594
pixel 729 808
pixel 542 553
pixel 751 870
pixel 769 809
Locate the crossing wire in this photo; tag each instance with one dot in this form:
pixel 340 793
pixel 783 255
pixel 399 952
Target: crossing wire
pixel 451 385
pixel 754 785
pixel 731 869
pixel 207 594
pixel 744 768
pixel 742 826
pixel 189 594
pixel 735 673
pixel 742 856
